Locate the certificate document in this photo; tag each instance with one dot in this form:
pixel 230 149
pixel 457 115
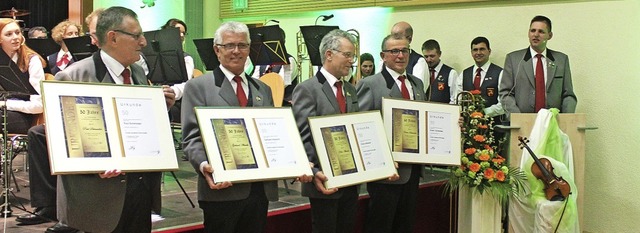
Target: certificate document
pixel 233 143
pixel 137 128
pixel 405 130
pixel 439 133
pixel 339 150
pixel 276 143
pixel 370 147
pixel 84 126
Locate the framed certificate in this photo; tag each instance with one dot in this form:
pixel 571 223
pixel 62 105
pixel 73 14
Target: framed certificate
pixel 352 148
pixel 422 132
pixel 93 127
pixel 252 144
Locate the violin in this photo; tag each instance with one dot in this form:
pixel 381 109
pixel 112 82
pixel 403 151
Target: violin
pixel 555 187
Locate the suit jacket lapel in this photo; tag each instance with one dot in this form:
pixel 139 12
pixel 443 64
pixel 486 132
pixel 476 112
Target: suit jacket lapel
pixel 551 69
pixel 257 97
pixel 394 91
pixel 528 68
pixel 328 91
pixel 102 75
pixel 226 90
pixel 137 75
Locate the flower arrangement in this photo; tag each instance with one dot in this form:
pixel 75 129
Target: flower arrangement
pixel 481 166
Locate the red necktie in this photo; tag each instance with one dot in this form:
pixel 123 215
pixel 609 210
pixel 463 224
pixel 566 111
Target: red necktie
pixel 403 88
pixel 540 87
pixel 342 103
pixel 433 74
pixel 242 97
pixel 476 80
pixel 126 76
pixel 63 61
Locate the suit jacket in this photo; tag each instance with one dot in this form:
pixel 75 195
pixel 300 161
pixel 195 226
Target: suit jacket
pixel 88 202
pixel 52 61
pixel 370 92
pixel 517 88
pixel 315 97
pixel 214 89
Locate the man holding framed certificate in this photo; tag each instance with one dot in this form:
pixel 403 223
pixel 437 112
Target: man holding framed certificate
pixel 392 203
pixel 227 207
pixel 332 210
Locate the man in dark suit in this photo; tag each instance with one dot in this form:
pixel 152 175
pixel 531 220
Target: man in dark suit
pixel 417 65
pixel 227 207
pixel 392 205
pixel 484 76
pixel 537 77
pixel 124 202
pixel 332 210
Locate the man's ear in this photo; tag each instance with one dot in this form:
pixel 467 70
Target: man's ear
pixel 550 36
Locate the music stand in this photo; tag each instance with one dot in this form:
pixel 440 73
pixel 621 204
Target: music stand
pixel 80 47
pixel 312 37
pixel 164 56
pixel 206 53
pixel 44 47
pixel 267 46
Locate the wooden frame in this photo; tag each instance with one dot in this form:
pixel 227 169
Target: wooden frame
pixel 352 148
pixel 252 144
pixel 422 132
pixel 94 127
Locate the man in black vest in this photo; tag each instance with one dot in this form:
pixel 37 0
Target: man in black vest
pixel 484 76
pixel 417 64
pixel 442 78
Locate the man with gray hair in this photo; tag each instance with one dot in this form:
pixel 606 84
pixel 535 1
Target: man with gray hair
pixel 332 210
pixel 38 32
pixel 227 207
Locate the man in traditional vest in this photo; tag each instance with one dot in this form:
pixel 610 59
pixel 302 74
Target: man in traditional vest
pixel 442 78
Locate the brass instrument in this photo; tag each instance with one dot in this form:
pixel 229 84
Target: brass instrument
pixel 358 75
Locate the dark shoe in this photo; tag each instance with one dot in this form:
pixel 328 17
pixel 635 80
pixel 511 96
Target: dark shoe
pixel 42 215
pixel 61 228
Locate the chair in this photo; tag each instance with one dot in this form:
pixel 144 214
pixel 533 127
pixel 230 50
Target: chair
pixel 276 83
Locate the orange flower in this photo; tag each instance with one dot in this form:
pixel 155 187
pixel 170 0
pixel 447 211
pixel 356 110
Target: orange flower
pixel 476 115
pixel 498 159
pixel 475 92
pixel 484 157
pixel 478 138
pixel 488 173
pixel 487 147
pixel 500 176
pixel 474 167
pixel 470 151
pixel 483 126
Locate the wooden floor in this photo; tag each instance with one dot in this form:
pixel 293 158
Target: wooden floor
pixel 176 209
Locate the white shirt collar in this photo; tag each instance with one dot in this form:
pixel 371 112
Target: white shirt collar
pixel 230 75
pixel 533 52
pixel 114 67
pixel 330 78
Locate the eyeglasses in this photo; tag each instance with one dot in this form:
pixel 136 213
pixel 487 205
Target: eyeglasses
pixel 348 55
pixel 135 36
pixel 231 46
pixel 395 52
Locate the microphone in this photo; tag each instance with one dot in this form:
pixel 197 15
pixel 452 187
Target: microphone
pixel 327 17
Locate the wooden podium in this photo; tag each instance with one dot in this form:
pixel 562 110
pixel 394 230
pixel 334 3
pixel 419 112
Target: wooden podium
pixel 574 125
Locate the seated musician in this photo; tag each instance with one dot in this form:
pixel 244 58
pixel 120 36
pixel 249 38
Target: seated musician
pixel 63 58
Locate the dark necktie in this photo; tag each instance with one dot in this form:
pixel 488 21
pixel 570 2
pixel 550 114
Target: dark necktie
pixel 476 80
pixel 403 88
pixel 242 97
pixel 540 87
pixel 342 103
pixel 126 76
pixel 433 74
pixel 63 61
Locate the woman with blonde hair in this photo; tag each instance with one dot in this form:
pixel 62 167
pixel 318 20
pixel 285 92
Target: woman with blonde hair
pixel 28 66
pixel 63 58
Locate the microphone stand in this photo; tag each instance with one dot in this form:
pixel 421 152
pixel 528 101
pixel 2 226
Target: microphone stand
pixel 6 159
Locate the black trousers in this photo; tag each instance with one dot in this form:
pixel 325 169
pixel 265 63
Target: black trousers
pixel 243 216
pixel 17 122
pixel 392 207
pixel 335 215
pixel 42 183
pixel 136 213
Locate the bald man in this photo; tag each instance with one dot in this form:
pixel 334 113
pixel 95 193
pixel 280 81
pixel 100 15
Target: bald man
pixel 417 64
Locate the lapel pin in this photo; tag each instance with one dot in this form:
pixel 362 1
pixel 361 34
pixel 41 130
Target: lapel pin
pixel 258 98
